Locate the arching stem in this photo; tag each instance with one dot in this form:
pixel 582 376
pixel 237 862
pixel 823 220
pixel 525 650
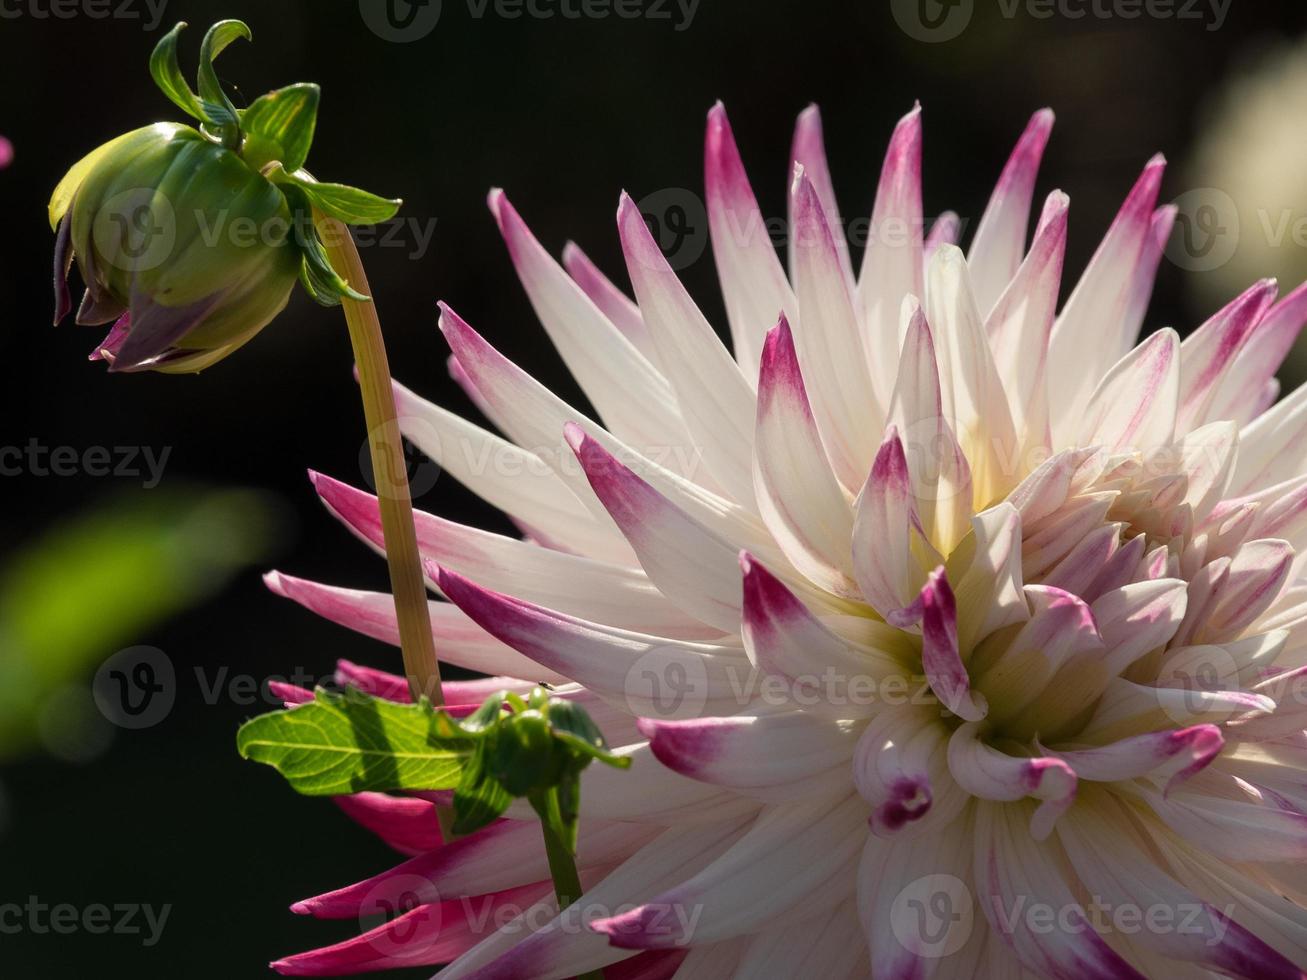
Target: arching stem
pixel 421 667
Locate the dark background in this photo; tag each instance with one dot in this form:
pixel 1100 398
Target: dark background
pixel 564 113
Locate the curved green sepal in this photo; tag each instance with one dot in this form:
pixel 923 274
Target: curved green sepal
pixel 573 726
pixel 279 127
pixel 167 74
pixel 340 201
pixel 351 743
pixel 218 108
pixel 323 283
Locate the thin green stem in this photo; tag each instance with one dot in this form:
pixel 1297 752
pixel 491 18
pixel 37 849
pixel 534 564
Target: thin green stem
pixel 562 863
pixel 389 472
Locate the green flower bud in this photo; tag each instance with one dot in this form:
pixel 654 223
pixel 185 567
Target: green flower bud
pixel 526 758
pixel 190 240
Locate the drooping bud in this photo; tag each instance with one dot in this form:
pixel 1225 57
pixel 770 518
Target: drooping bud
pixel 190 240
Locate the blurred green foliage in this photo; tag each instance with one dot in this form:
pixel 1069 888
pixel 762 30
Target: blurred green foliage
pixel 77 592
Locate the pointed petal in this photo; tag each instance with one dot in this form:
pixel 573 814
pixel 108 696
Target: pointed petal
pixel 753 283
pixel 1079 351
pixel 940 659
pixel 830 350
pixel 716 399
pixel 891 264
pixel 460 641
pixel 632 397
pixel 624 667
pixel 613 594
pixel 798 495
pixel 1208 353
pixel 808 150
pixel 1135 404
pixel 1019 327
pixel 1000 239
pixel 612 301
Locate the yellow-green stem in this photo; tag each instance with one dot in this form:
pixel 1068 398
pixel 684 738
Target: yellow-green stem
pixel 389 472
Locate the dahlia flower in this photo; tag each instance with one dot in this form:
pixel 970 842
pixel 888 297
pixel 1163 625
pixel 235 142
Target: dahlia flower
pixel 951 634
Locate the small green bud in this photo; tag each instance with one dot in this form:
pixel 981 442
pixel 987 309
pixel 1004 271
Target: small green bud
pixel 526 757
pixel 190 240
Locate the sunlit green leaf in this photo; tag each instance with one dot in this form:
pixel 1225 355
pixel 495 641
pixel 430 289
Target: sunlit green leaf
pixel 351 743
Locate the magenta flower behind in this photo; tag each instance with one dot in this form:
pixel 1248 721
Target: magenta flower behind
pixel 970 627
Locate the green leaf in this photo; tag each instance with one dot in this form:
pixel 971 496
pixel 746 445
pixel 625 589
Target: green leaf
pixel 218 108
pixel 168 74
pixel 351 743
pixel 347 204
pixel 279 126
pixel 479 798
pixel 573 726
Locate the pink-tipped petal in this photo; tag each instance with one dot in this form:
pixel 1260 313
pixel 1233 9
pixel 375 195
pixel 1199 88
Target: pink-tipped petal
pixel 1000 239
pixel 798 495
pixel 753 283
